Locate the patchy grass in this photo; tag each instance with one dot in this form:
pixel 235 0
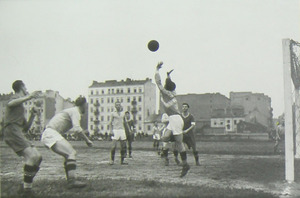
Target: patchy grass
pixel 243 174
pixel 129 188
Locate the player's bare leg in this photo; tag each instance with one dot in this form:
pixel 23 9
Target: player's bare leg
pixel 65 149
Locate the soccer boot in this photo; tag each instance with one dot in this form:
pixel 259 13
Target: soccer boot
pixel 185 170
pixel 75 184
pixel 166 161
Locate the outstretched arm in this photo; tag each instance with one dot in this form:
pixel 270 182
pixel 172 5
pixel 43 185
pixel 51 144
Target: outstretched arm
pixel 20 100
pixel 158 81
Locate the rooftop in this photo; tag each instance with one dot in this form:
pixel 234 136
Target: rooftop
pixel 114 83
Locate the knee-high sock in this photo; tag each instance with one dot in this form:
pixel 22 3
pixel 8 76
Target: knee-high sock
pixel 183 157
pixel 112 154
pixel 70 167
pixel 29 173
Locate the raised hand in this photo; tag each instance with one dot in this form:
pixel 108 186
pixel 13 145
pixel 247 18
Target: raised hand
pixel 159 65
pixel 35 94
pixel 168 73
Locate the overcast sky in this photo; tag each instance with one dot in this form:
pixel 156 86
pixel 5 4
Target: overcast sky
pixel 212 45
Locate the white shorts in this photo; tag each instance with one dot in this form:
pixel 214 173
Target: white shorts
pixel 175 124
pixel 119 134
pixel 156 137
pixel 50 137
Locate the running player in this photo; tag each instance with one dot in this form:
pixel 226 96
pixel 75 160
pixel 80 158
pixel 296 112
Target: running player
pixel 129 130
pixel 53 139
pixel 118 133
pixel 175 125
pixel 156 133
pixel 14 126
pixel 188 133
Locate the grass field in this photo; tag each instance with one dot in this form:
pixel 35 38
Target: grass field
pixel 228 169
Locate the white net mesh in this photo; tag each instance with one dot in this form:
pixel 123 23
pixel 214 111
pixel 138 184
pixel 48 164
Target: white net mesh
pixel 295 75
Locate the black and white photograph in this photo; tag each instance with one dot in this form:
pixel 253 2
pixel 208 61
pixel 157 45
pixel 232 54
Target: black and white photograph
pixel 150 98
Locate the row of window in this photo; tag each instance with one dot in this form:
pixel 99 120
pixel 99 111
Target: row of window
pixel 107 127
pixel 116 91
pixel 139 117
pixel 113 100
pixel 112 109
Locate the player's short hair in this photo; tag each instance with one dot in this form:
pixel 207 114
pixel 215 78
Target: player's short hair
pixel 17 85
pixel 169 85
pixel 80 101
pixel 186 104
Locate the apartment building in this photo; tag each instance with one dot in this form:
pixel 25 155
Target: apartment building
pixel 136 96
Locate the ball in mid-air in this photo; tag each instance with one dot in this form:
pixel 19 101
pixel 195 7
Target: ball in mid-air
pixel 153 45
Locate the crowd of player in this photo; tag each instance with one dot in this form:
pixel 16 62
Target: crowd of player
pixel 177 130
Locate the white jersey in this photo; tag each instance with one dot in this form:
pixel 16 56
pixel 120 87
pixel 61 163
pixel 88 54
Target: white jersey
pixel 117 120
pixel 66 120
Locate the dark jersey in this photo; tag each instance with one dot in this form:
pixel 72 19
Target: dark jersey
pixel 15 114
pixel 187 121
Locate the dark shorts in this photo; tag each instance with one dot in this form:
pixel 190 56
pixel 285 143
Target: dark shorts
pixel 189 139
pixel 14 138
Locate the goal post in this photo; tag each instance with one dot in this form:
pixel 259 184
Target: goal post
pixel 291 74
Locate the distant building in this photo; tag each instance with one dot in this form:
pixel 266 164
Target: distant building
pixel 227 118
pixel 257 107
pixel 49 104
pixel 202 106
pixel 136 96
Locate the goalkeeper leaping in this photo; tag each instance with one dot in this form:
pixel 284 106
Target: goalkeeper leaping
pixel 175 126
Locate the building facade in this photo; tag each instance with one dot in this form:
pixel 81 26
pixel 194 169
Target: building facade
pixel 48 105
pixel 136 96
pixel 257 107
pixel 202 106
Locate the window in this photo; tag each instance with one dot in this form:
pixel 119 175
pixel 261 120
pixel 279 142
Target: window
pixel 92 109
pixel 140 90
pixel 128 90
pixel 140 98
pixel 112 100
pixel 97 92
pixel 128 99
pixel 112 91
pixel 234 122
pixel 102 100
pixel 140 127
pixel 228 121
pixel 102 118
pixel 108 100
pixel 108 91
pixel 149 128
pixel 215 123
pixel 140 117
pixel 108 118
pixel 92 119
pixel 121 100
pixel 118 91
pixel 121 90
pixel 108 109
pixel 92 92
pixel 128 108
pixel 112 109
pixel 107 127
pixel 134 90
pixel 91 101
pixel 102 91
pixel 91 127
pixel 102 127
pixel 140 108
